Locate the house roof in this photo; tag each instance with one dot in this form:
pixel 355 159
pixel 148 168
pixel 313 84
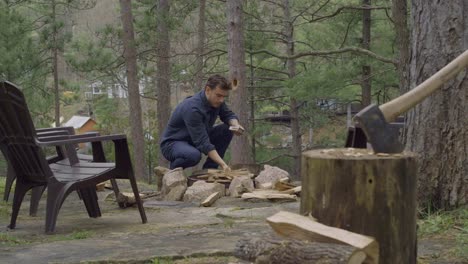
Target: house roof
pixel 77 121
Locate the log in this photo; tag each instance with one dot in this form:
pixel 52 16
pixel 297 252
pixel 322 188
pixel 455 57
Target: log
pixel 365 193
pixel 211 199
pixel 276 251
pixel 296 226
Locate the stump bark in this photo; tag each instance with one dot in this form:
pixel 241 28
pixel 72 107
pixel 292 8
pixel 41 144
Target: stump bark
pixel 365 193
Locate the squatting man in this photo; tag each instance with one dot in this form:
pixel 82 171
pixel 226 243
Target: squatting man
pixel 191 130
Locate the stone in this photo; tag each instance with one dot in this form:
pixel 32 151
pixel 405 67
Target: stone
pixel 174 184
pixel 200 190
pixel 159 173
pixel 240 185
pixel 270 174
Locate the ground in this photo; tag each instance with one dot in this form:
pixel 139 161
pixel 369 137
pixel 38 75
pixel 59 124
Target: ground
pixel 176 232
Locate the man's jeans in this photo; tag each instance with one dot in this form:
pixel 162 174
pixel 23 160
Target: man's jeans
pixel 182 154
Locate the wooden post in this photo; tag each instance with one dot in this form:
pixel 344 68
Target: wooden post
pixel 366 193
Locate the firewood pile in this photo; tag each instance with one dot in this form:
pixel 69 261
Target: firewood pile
pixel 274 184
pixel 221 176
pixel 248 183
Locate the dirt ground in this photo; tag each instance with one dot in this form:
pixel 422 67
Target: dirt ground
pixel 176 232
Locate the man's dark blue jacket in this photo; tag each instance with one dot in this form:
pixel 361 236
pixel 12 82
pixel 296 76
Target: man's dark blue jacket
pixel 192 121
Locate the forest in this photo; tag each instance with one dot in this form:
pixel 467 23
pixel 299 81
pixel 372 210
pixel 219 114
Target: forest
pixel 300 68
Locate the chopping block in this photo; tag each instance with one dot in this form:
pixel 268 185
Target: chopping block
pixel 366 193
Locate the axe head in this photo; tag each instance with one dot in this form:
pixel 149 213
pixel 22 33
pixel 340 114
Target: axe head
pixel 383 136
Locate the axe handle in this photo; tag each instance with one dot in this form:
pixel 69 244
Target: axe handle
pixel 391 110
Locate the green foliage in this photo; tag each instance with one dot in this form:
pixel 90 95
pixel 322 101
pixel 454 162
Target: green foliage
pixel 19 51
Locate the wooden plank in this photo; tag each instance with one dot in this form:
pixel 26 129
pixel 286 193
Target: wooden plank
pixel 296 226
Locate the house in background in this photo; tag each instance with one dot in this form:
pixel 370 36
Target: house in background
pixel 81 124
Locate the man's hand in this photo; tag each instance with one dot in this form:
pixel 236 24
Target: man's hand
pixel 237 130
pixel 216 158
pixel 235 127
pixel 225 167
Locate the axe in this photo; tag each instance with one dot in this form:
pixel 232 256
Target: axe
pixel 374 122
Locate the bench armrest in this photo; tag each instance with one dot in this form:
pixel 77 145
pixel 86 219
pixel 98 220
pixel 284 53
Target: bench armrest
pixel 75 139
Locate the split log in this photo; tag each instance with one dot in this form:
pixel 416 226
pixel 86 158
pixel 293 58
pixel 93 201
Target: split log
pixel 211 199
pixel 128 199
pixel 283 186
pixel 369 194
pixel 294 190
pixel 100 187
pixel 269 195
pixel 275 251
pixel 159 173
pixel 301 227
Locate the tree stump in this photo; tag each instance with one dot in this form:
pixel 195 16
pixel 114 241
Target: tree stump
pixel 366 193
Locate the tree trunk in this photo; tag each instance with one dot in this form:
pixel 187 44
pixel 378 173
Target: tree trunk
pixel 437 127
pixel 128 38
pixel 296 147
pixel 364 193
pixel 400 20
pixel 163 72
pixel 240 146
pixel 200 47
pixel 55 65
pixel 366 69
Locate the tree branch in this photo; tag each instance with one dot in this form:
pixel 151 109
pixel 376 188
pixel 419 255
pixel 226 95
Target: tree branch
pixel 328 52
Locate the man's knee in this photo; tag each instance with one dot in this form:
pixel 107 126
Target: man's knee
pixel 193 158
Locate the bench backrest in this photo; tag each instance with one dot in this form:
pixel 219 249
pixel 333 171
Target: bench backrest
pixel 17 136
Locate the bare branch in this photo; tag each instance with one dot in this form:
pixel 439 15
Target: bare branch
pixel 328 52
pixel 277 157
pixel 339 10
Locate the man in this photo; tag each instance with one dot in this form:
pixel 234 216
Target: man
pixel 190 130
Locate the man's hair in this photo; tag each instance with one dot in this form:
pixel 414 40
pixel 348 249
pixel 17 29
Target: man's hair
pixel 218 81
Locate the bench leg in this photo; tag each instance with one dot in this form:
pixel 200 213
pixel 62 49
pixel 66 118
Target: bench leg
pixel 90 200
pixel 36 195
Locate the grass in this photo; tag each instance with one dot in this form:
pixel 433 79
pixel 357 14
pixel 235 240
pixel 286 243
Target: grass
pixel 195 260
pixel 8 240
pixel 5 209
pixel 451 224
pixel 442 221
pixel 163 261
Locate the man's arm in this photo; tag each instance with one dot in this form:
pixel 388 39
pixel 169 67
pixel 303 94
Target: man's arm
pixel 225 114
pixel 196 128
pixel 214 156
